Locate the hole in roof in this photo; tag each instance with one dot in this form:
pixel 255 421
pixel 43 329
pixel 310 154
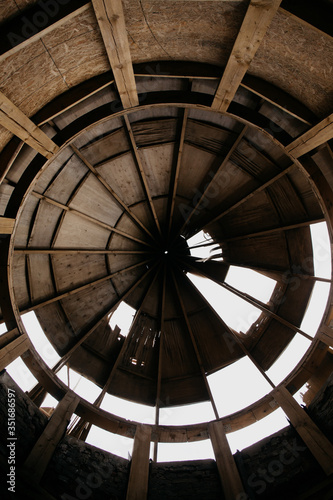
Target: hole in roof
pixel 201 245
pixel 40 341
pixel 178 452
pixel 189 414
pixel 112 443
pixel 322 259
pixel 123 318
pixel 129 410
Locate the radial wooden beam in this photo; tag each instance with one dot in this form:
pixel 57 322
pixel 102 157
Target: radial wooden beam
pixel 136 154
pixel 137 488
pixel 111 191
pixel 66 208
pixel 105 313
pixel 222 213
pixel 317 135
pixel 42 452
pixel 275 230
pixel 78 289
pixel 210 183
pixel 320 447
pixel 160 358
pixel 326 335
pixel 251 300
pixel 255 24
pixel 88 251
pixel 12 118
pixel 228 472
pixel 13 350
pixel 233 335
pixel 6 225
pixel 195 347
pixel 175 176
pixel 111 20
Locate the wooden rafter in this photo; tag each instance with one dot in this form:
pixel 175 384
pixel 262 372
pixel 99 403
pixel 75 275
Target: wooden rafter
pixel 316 136
pixel 111 191
pixel 275 230
pixel 6 225
pixel 111 20
pixel 209 184
pixel 248 298
pixel 247 197
pixel 66 208
pixel 89 251
pixel 12 118
pixel 175 178
pixel 194 344
pixel 142 174
pixel 78 289
pixel 232 333
pixel 86 334
pixel 255 24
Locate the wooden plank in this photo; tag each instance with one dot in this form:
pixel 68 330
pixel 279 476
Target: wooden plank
pixel 256 22
pixel 326 335
pixel 137 488
pixel 229 475
pixel 13 350
pixel 42 452
pixel 317 135
pixel 111 20
pixel 78 251
pixel 12 118
pixel 6 225
pixel 318 444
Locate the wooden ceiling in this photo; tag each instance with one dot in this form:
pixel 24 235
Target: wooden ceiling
pixel 126 128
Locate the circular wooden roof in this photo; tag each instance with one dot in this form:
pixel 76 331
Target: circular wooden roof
pixel 118 169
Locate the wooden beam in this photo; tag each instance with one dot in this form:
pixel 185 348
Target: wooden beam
pixel 317 135
pixel 63 251
pixel 114 195
pixel 255 24
pixel 137 488
pixel 264 186
pixel 228 472
pixel 78 289
pixel 6 225
pixel 12 118
pixel 320 447
pixel 88 217
pixel 175 177
pixel 142 174
pixel 111 20
pixel 326 335
pixel 195 347
pixel 41 454
pixel 13 350
pixel 275 230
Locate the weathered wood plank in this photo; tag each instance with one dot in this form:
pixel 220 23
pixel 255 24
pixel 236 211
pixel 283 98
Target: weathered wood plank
pixel 6 225
pixel 42 452
pixel 318 444
pixel 256 22
pixel 13 350
pixel 326 335
pixel 12 118
pixel 229 475
pixel 111 20
pixel 138 481
pixel 317 135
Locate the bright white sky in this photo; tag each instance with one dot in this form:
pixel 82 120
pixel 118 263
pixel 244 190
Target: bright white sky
pixel 233 388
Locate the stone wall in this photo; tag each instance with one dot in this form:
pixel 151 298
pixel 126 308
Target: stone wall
pixel 278 467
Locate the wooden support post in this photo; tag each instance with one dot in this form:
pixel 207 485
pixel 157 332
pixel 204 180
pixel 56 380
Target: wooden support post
pixel 111 20
pixel 320 447
pixel 229 475
pixel 138 481
pixel 13 350
pixel 42 452
pixel 6 225
pixel 317 135
pixel 326 335
pixel 12 118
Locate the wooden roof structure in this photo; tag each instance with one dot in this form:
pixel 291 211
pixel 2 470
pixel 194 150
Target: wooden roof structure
pixel 126 127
